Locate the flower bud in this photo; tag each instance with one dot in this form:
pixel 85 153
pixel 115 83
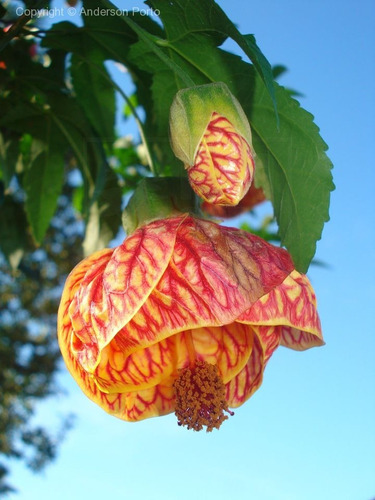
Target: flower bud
pixel 211 135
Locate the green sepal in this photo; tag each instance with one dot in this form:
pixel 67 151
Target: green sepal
pixel 159 198
pixel 190 114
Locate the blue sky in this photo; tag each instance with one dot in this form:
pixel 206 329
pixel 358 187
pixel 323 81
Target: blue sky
pixel 309 432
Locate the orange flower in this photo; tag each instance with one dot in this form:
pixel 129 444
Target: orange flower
pixel 183 316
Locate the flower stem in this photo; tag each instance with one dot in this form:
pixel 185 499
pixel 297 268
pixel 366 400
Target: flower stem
pixel 140 128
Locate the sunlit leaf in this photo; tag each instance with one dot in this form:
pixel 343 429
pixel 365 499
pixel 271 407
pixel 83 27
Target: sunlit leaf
pixel 95 93
pixel 298 169
pixel 181 18
pixel 43 182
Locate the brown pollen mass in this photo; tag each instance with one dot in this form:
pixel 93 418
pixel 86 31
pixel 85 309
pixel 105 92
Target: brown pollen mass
pixel 200 397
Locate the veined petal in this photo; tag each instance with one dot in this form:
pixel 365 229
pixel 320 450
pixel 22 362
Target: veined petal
pixel 290 306
pixel 192 110
pixel 140 375
pixel 103 305
pixel 158 400
pixel 228 347
pixel 140 370
pixel 228 268
pixel 83 341
pixel 223 168
pixel 215 273
pixel 153 402
pixel 248 380
pixel 172 307
pixel 88 267
pixel 137 405
pixel 269 339
pixel 64 326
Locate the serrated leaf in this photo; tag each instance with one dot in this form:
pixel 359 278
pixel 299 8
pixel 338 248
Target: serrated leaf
pixel 43 182
pixel 299 172
pixel 278 70
pixel 181 18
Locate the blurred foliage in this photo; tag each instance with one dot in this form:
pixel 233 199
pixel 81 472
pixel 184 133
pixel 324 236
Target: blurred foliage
pixel 64 172
pixel 29 354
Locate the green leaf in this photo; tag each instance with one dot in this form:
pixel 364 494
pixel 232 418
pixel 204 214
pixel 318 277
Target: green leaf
pixel 157 198
pixel 104 218
pixel 181 18
pixel 279 70
pixel 13 230
pixel 8 158
pixel 298 170
pixel 109 37
pixel 59 123
pixel 43 182
pixel 151 43
pixel 95 93
pixel 112 38
pixel 128 107
pixel 58 119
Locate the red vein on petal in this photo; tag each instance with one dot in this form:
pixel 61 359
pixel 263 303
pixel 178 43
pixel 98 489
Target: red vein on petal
pixel 241 387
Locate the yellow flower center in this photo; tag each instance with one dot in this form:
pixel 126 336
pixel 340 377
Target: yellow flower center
pixel 200 397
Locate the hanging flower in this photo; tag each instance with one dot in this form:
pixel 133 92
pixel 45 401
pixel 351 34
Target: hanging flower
pixel 182 317
pixel 211 135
